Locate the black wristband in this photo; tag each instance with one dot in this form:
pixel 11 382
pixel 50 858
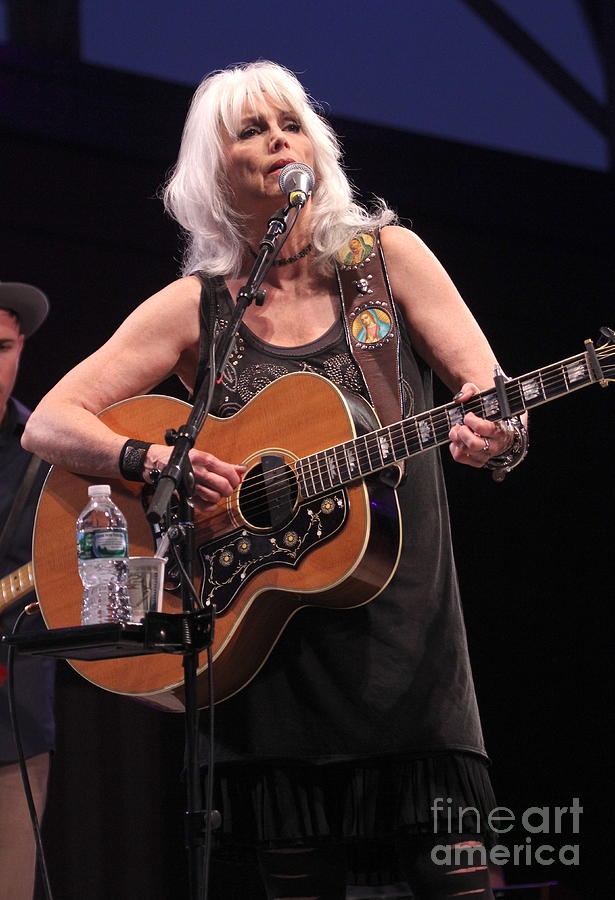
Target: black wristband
pixel 132 460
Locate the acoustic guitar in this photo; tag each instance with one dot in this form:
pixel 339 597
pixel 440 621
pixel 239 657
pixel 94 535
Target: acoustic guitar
pixel 315 521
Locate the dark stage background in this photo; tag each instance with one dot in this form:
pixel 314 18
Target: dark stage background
pixel 528 242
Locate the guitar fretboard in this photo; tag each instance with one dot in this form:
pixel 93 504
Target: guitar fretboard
pixel 372 452
pixel 16 585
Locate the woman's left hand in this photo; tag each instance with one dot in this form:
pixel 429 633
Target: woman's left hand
pixel 477 440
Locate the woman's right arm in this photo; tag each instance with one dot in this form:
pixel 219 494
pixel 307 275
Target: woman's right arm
pixel 158 339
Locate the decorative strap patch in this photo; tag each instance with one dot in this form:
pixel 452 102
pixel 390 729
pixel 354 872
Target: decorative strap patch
pixel 371 324
pixel 370 320
pixel 357 251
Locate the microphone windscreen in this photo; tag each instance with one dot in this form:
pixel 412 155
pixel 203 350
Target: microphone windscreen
pixel 296 176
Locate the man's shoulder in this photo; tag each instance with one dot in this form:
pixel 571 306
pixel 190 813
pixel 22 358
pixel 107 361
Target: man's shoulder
pixel 16 417
pixel 22 413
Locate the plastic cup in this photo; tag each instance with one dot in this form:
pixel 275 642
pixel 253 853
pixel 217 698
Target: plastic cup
pixel 145 586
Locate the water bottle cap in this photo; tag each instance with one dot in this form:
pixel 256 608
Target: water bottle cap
pixel 99 490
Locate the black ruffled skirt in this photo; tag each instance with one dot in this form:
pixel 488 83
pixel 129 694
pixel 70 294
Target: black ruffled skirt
pixel 363 805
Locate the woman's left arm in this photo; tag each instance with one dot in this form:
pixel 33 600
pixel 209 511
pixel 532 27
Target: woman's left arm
pixel 448 338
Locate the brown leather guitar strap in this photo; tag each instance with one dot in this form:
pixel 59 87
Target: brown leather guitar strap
pixel 371 322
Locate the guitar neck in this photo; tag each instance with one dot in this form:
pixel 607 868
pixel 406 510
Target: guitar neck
pixel 16 585
pixel 375 451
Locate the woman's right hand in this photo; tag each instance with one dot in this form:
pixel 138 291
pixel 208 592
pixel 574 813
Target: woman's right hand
pixel 213 478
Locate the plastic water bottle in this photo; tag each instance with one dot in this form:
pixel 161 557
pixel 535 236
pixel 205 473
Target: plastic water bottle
pixel 102 552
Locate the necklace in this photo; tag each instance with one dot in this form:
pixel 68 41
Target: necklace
pixel 288 259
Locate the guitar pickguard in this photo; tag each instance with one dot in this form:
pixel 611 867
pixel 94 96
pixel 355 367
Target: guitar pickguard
pixel 229 562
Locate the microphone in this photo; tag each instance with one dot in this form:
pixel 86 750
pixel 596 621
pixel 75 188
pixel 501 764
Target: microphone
pixel 297 180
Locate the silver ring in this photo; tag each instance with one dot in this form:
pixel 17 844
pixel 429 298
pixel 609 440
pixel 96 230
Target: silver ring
pixel 485 447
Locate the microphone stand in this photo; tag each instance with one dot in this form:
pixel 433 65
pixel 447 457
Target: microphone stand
pixel 177 476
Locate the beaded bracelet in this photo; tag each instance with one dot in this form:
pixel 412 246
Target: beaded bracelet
pixel 132 460
pixel 501 465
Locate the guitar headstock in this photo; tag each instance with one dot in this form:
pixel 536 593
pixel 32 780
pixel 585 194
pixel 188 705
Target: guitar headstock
pixel 605 354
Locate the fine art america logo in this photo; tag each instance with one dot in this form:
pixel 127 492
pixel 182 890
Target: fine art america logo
pixel 535 820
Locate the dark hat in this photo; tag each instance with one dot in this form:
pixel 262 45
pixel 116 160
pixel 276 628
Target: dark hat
pixel 30 304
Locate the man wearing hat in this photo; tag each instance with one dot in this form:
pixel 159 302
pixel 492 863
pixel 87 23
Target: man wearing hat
pixel 23 309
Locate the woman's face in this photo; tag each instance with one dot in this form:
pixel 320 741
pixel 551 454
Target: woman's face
pixel 269 138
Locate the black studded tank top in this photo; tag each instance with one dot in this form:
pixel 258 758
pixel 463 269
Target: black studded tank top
pixel 391 678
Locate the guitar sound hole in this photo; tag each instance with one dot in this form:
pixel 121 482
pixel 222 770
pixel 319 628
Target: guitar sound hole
pixel 268 493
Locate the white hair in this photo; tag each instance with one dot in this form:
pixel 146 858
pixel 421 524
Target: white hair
pixel 197 192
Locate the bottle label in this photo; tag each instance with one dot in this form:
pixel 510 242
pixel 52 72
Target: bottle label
pixel 103 544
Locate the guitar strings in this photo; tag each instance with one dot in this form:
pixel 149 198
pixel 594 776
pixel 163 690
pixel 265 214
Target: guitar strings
pixel 314 468
pixel 363 445
pixel 396 431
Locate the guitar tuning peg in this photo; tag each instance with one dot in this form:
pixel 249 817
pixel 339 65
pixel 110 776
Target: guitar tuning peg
pixel 608 333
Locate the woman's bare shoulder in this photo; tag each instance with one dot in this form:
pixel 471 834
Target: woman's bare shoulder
pixel 169 314
pixel 397 241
